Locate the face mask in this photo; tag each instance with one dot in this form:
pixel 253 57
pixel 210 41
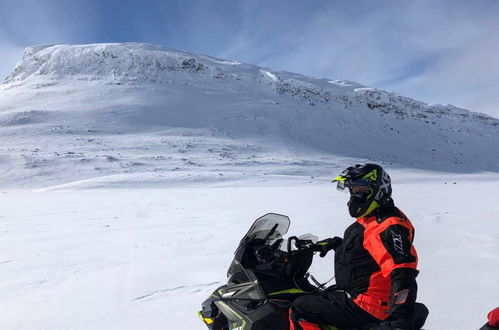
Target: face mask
pixel 358 204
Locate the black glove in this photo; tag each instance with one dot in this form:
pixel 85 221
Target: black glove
pixel 403 298
pixel 328 244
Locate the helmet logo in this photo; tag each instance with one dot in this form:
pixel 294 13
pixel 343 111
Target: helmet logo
pixel 373 176
pixel 384 188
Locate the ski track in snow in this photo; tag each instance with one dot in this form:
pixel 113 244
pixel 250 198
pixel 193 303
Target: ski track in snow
pixel 188 288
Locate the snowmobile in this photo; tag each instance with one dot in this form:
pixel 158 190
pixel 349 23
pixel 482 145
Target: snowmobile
pixel 266 275
pixel 493 320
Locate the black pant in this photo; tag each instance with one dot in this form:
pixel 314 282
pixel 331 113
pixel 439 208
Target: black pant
pixel 332 308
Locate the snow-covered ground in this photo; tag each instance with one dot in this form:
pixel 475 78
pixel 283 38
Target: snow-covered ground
pixel 129 173
pixel 146 258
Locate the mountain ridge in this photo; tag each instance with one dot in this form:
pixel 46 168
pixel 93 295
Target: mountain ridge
pixel 98 90
pixel 39 61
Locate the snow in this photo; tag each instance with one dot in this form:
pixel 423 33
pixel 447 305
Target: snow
pixel 129 173
pixel 135 258
pixel 341 83
pixel 270 75
pixel 227 62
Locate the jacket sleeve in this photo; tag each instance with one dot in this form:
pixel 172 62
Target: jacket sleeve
pixel 403 297
pixel 391 247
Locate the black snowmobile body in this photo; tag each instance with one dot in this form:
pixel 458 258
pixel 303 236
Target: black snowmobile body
pixel 263 279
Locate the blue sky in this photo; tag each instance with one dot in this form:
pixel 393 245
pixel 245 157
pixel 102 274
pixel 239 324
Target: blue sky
pixel 437 51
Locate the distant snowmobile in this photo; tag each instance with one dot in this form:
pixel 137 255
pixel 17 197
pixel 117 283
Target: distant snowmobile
pixel 267 274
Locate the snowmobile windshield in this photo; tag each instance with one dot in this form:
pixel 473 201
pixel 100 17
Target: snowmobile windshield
pixel 264 231
pixel 270 227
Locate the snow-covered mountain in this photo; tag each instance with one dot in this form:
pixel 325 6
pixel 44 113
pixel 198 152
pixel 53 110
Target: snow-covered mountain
pixel 136 111
pixel 150 121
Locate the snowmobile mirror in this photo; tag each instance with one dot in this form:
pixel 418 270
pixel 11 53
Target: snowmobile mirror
pixel 309 237
pixel 291 240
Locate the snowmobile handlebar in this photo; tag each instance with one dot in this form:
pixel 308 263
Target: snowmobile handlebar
pixel 301 245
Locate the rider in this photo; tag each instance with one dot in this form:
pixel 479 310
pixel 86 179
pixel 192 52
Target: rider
pixel 375 262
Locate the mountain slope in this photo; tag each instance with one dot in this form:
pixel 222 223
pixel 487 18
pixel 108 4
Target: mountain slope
pixel 77 112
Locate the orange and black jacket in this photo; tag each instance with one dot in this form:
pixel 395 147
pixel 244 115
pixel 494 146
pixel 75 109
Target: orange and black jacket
pixel 376 264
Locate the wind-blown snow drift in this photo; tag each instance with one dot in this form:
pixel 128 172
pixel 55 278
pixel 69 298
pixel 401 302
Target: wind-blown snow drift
pixel 76 112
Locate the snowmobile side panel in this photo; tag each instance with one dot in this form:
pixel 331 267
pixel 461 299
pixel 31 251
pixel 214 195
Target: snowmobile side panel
pixel 246 291
pixel 207 320
pixel 235 320
pixel 287 292
pixel 269 316
pixel 244 315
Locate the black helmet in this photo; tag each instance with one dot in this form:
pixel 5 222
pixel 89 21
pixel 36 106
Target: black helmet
pixel 369 186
